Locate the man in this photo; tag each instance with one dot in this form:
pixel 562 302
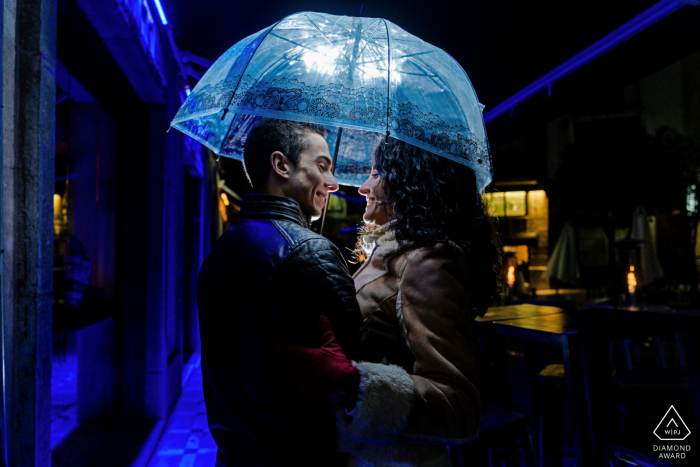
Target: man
pixel 266 283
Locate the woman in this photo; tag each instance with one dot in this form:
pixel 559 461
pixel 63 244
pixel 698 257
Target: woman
pixel 432 263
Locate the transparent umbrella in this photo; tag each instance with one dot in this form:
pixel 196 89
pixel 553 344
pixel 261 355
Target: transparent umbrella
pixel 365 79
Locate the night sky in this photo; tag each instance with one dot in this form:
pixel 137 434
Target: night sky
pixel 503 46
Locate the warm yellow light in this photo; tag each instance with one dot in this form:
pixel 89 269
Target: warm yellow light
pixel 495 204
pixel 516 203
pixel 223 202
pixel 57 206
pixel 631 281
pixel 510 277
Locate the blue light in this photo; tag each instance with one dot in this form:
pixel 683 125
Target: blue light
pixel 352 199
pixel 161 12
pixel 637 24
pixel 187 90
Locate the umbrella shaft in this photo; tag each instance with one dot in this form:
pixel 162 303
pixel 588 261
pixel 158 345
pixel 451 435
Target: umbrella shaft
pixel 335 158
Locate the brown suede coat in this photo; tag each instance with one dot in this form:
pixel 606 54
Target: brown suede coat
pixel 417 306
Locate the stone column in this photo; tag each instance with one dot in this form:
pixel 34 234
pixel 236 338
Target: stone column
pixel 28 148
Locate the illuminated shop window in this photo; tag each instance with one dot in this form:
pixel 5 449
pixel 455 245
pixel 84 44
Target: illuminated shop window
pixel 496 204
pixel 507 204
pixel 516 203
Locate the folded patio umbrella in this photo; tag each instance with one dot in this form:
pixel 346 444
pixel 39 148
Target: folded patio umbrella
pixel 563 265
pixel 647 267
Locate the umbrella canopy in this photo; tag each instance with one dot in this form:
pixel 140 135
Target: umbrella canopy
pixel 563 265
pixel 364 75
pixel 644 258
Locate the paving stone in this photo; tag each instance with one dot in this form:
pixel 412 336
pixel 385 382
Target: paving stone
pixel 171 441
pixel 165 461
pixel 205 459
pixel 192 442
pixel 207 442
pixel 186 441
pixel 200 423
pixel 187 406
pixel 181 421
pixel 188 460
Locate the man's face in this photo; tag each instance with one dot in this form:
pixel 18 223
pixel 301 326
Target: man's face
pixel 311 180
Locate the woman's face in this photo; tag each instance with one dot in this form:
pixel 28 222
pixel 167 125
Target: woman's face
pixel 378 211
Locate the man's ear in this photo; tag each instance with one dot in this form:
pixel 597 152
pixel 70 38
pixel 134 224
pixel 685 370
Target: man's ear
pixel 280 164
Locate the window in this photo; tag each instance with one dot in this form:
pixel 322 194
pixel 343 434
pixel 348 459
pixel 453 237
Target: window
pixel 507 204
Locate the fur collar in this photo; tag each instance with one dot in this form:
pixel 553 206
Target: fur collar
pixel 381 241
pixel 379 244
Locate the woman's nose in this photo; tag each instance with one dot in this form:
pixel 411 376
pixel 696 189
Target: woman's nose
pixel 364 189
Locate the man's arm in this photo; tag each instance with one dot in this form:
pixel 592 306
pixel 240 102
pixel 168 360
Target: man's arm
pixel 316 278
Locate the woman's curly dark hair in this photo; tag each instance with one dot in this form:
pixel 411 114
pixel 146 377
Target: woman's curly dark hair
pixel 436 199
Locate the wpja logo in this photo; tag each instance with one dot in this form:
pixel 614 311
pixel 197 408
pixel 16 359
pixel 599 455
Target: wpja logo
pixel 672 428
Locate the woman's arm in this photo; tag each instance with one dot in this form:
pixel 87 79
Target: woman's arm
pixel 439 401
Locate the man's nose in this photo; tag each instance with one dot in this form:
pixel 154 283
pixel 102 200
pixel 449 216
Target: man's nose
pixel 332 184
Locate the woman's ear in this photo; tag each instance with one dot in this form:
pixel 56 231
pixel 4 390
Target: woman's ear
pixel 280 164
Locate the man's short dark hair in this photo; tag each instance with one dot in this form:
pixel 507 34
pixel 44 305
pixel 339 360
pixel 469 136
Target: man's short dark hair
pixel 270 135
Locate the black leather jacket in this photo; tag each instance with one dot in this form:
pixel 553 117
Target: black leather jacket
pixel 267 281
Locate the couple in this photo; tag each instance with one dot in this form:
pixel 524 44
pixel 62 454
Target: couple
pixel 304 365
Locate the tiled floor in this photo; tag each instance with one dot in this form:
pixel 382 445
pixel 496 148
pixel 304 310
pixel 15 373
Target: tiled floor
pixel 186 441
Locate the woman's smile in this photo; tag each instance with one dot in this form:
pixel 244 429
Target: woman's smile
pixel 375 212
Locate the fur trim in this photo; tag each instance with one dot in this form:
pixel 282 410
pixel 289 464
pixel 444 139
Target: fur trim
pixel 381 241
pixel 387 245
pixel 385 401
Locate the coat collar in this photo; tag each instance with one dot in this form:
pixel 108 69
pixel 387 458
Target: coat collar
pixel 381 241
pixel 379 245
pixel 272 207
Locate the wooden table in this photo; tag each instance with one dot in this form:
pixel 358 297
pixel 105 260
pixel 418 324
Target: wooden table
pixel 526 310
pixel 493 354
pixel 581 335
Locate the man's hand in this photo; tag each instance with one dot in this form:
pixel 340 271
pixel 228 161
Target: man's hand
pixel 322 372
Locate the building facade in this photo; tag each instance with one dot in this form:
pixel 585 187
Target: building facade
pixel 106 218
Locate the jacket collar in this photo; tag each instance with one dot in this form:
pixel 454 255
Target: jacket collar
pixel 272 207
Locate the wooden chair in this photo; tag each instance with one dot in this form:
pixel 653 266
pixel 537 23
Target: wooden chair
pixel 500 435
